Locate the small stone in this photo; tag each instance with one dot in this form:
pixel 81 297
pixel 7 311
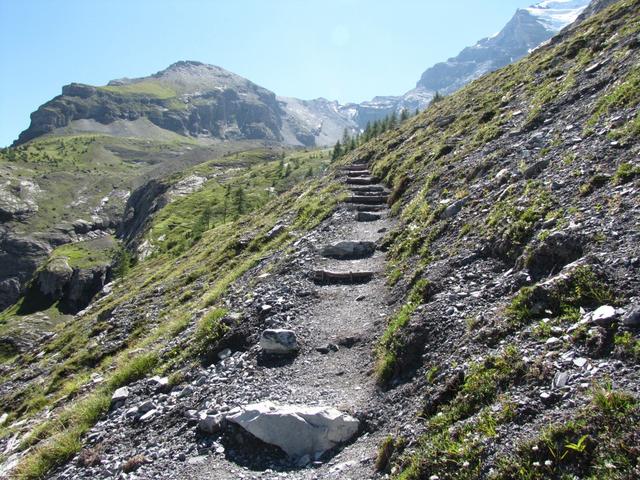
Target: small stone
pixel 159 383
pixel 148 416
pixel 132 412
pixel 604 315
pixel 146 406
pixel 553 341
pixel 580 362
pixel 186 392
pixel 3 418
pixel 120 395
pixel 211 424
pixel 560 380
pixel 226 353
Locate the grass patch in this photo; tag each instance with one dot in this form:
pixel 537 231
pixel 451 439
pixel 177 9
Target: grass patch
pixel 390 343
pixel 145 88
pixel 583 288
pixel 598 443
pixel 452 451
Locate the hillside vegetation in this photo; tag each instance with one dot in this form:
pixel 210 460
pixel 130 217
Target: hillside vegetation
pixel 512 272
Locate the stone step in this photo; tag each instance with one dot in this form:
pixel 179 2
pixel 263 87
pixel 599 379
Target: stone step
pixel 367 208
pixel 359 173
pixel 348 250
pixel 361 180
pixel 367 217
pixel 367 189
pixel 368 199
pixel 327 277
pixel 355 167
pixel 365 193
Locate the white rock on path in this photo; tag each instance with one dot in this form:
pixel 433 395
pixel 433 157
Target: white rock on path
pixel 278 341
pixel 297 430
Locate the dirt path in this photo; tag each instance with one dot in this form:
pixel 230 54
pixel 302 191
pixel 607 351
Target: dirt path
pixel 347 316
pixel 337 326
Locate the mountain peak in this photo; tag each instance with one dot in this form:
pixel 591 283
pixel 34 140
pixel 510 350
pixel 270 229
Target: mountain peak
pixel 554 15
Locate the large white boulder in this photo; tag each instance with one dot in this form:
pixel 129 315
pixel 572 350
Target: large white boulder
pixel 297 430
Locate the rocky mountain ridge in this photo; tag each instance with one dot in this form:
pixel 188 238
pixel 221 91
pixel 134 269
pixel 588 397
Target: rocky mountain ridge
pixel 528 29
pixel 191 99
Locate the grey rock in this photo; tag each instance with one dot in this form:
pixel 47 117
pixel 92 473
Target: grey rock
pixel 604 315
pixel 120 395
pixel 560 379
pixel 211 423
pixel 297 430
pixel 146 406
pixel 275 231
pixel 632 318
pixel 279 341
pixel 150 415
pixel 348 250
pixel 453 209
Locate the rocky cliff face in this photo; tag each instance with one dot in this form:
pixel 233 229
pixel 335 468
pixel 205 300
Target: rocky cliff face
pixel 188 98
pixel 191 99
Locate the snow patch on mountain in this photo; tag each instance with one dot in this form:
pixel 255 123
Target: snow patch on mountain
pixel 557 14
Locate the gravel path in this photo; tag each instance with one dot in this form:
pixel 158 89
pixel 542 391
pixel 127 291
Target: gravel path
pixel 337 326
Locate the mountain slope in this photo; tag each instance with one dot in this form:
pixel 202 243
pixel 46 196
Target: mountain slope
pixel 512 348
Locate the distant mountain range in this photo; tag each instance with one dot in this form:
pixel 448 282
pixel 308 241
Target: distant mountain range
pixel 211 104
pixel 528 29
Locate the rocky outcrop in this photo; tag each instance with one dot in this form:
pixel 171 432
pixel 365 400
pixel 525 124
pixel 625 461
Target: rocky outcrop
pixel 299 431
pixel 140 207
pixel 20 257
pixel 18 200
pixel 206 101
pixel 54 277
pixel 83 286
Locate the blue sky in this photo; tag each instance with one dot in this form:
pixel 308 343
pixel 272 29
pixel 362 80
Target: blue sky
pixel 349 50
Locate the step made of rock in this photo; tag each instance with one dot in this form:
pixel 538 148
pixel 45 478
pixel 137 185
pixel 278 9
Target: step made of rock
pixel 359 173
pixel 361 181
pixel 370 194
pixel 368 199
pixel 367 217
pixel 351 168
pixel 348 250
pixel 327 277
pixel 367 189
pixel 367 208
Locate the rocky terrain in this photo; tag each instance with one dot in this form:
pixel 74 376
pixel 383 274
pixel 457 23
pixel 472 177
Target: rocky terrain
pixel 456 298
pixel 190 99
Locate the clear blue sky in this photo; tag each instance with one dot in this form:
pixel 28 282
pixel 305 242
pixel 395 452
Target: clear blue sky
pixel 349 50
